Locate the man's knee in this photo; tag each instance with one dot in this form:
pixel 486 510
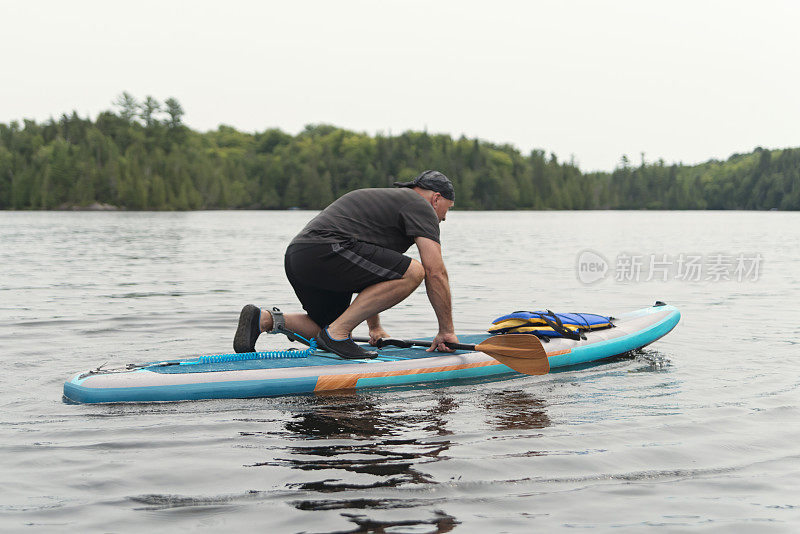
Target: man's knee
pixel 415 272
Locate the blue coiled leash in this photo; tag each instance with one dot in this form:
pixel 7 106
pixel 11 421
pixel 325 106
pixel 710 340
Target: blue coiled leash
pixel 236 357
pixel 291 353
pixel 242 356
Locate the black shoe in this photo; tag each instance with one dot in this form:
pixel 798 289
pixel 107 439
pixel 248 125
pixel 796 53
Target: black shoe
pixel 248 330
pixel 346 348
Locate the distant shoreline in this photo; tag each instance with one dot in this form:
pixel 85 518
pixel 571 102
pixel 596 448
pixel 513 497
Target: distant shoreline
pixel 95 206
pixel 106 208
pixel 146 159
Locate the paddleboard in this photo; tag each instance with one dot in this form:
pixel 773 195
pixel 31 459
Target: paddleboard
pixel 177 380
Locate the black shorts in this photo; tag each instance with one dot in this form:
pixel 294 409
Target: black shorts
pixel 325 276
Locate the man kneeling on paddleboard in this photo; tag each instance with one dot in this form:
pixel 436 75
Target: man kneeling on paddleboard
pixel 356 245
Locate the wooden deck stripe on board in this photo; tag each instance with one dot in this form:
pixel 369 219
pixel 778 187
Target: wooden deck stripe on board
pixel 348 381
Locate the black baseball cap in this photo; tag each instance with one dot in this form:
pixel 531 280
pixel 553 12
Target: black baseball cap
pixel 432 181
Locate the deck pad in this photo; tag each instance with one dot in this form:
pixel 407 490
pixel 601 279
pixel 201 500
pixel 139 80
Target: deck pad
pixel 385 354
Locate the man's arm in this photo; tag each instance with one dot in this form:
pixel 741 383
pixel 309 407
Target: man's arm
pixel 437 285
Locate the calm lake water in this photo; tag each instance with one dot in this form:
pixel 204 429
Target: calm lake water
pixel 700 432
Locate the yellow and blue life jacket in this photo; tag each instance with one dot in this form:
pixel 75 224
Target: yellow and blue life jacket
pixel 546 324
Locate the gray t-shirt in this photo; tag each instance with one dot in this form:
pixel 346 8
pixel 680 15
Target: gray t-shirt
pixel 390 218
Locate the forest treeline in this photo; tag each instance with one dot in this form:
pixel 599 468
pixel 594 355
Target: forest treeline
pixel 141 156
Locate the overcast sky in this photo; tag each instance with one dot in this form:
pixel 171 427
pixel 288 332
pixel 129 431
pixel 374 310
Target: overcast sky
pixel 680 80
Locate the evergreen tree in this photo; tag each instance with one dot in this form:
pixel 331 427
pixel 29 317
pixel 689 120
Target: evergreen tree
pixel 128 106
pixel 148 110
pixel 175 112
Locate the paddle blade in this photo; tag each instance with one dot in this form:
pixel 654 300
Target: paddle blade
pixel 524 353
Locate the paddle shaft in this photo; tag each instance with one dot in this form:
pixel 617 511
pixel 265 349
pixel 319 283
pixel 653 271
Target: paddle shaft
pixel 523 353
pixel 408 343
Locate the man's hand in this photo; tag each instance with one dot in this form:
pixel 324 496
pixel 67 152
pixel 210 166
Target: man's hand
pixel 440 340
pixel 376 331
pixel 375 334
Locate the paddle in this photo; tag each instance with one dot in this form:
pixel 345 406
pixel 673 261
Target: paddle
pixel 524 353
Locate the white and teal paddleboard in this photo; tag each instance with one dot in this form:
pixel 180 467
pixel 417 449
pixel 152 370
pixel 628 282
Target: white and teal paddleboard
pixel 214 378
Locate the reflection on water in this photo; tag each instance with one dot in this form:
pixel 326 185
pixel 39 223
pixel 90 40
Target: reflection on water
pixel 441 523
pixel 356 418
pixel 356 443
pixel 515 410
pixel 346 413
pixel 391 462
pixel 356 446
